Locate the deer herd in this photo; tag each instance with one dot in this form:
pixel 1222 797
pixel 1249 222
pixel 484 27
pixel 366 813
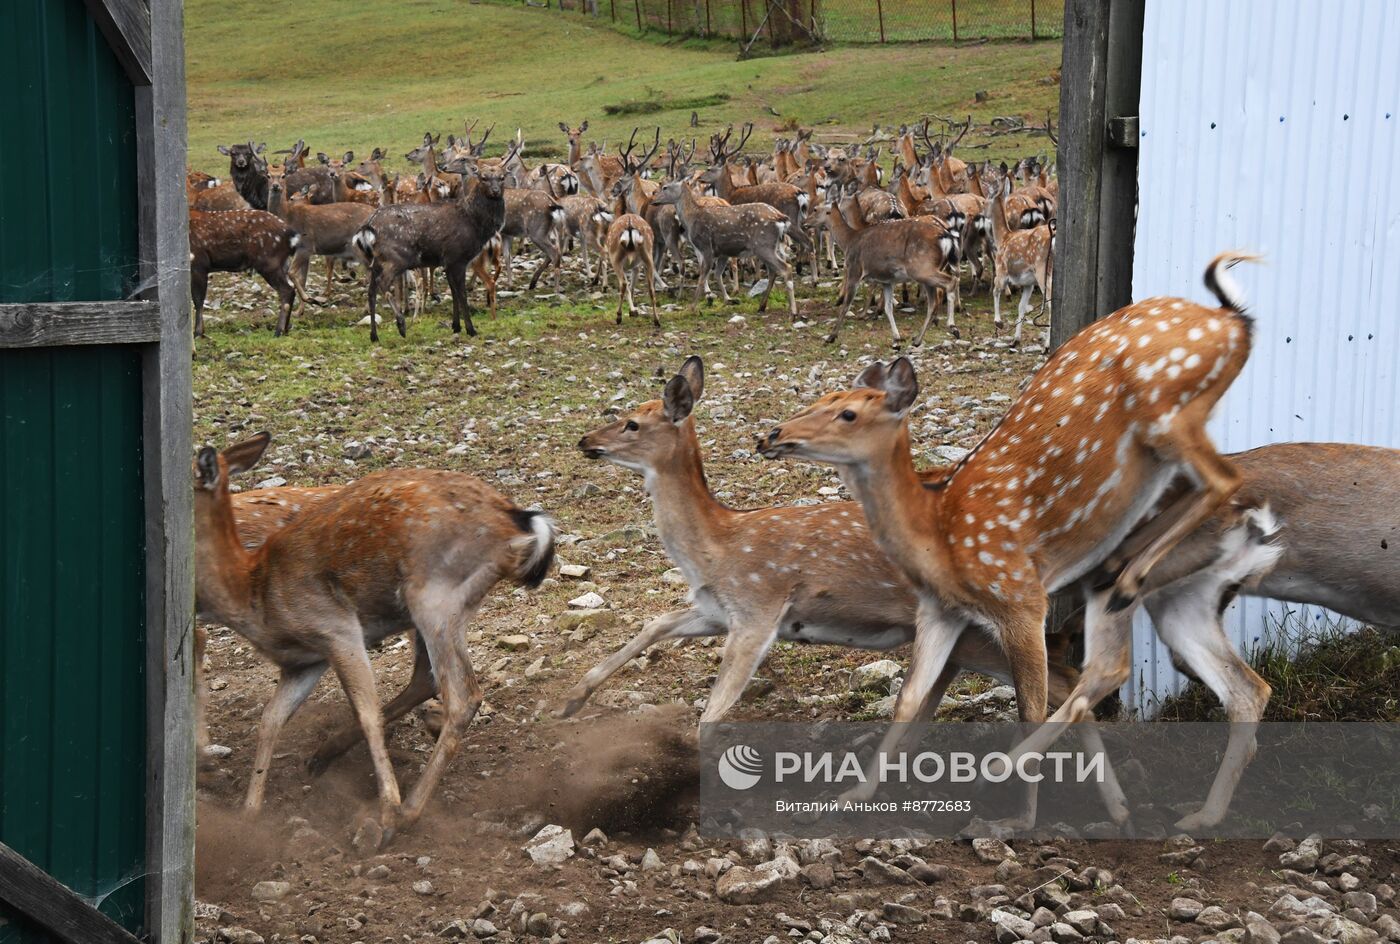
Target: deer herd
pixel 635 212
pixel 1099 483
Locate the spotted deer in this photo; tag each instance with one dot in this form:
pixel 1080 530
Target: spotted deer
pixel 393 551
pixel 787 198
pixel 630 240
pixel 1024 259
pixel 721 233
pixel 1048 498
pixel 765 574
pixel 327 230
pixel 242 241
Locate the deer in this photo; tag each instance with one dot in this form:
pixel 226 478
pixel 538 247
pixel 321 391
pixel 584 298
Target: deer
pixel 787 198
pixel 630 240
pixel 1023 258
pixel 575 137
pixel 206 192
pixel 598 170
pixel 1052 493
pixel 241 241
pixel 917 250
pixel 586 218
pixel 450 234
pixel 721 233
pixel 248 171
pixel 538 217
pixel 326 230
pixel 396 550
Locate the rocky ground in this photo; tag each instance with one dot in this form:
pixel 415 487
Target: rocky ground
pixel 585 830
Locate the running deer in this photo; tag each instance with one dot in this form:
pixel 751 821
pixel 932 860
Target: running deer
pixel 1302 528
pixel 1024 258
pixel 450 234
pixel 397 550
pixel 1049 496
pixel 919 250
pixel 242 241
pixel 763 574
pixel 721 233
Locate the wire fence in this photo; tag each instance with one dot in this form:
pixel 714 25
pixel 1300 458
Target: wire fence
pixel 779 23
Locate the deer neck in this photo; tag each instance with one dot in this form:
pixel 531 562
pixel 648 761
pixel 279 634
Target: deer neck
pixel 224 570
pixel 575 153
pixel 724 183
pixel 689 519
pixel 901 511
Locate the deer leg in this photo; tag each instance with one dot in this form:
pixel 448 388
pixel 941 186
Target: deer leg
pixel 293 687
pixel 702 282
pixel 286 291
pixel 744 651
pixel 1187 618
pixel 199 289
pixel 651 290
pixel 930 289
pixel 376 276
pixel 419 689
pixel 457 282
pixel 330 273
pixel 887 293
pixel 1021 308
pixel 936 635
pixel 844 302
pixel 351 664
pixel 1218 481
pixel 675 625
pixel 201 692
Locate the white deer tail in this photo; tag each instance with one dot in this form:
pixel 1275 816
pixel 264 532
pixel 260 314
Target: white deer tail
pixel 1222 285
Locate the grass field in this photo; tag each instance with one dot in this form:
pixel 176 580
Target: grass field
pixel 351 74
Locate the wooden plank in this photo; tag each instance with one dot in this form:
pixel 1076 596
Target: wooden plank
pixel 51 324
pixel 53 906
pixel 166 379
pixel 1118 180
pixel 1083 87
pixel 126 25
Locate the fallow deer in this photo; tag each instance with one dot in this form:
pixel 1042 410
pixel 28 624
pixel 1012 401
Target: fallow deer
pixel 393 551
pixel 242 241
pixel 1050 495
pixel 575 137
pixel 1023 258
pixel 787 198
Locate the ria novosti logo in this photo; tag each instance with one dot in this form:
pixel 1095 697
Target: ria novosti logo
pixel 740 767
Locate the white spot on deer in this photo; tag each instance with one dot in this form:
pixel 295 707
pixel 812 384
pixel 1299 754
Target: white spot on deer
pixel 1176 354
pixel 1193 361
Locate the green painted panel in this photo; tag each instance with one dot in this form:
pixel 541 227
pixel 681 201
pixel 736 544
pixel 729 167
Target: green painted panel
pixel 72 532
pixel 72 615
pixel 68 157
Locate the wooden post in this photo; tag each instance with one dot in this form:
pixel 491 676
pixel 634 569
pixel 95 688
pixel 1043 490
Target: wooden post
pixel 1032 20
pixel 669 29
pixel 707 17
pixel 955 20
pixel 612 10
pixel 637 5
pixel 744 20
pixel 880 13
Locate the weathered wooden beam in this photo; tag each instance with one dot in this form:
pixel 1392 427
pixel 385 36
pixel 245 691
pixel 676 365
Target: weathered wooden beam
pixel 50 324
pixel 54 906
pixel 126 25
pixel 167 423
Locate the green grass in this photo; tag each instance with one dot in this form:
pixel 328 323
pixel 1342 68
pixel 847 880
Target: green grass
pixel 353 74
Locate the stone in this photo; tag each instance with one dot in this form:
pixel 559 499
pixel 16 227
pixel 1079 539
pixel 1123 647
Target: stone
pixel 271 891
pixel 1184 909
pixel 590 621
pixel 876 676
pixel 1303 935
pixel 1010 927
pixel 237 935
pixel 755 845
pixel 1289 906
pixel 1278 842
pixel 992 850
pixel 819 875
pixel 1258 930
pixel 539 924
pixel 513 643
pixel 1304 857
pixel 378 873
pixel 595 837
pixel 576 571
pixel 422 887
pixel 588 601
pixel 651 861
pixel 1216 918
pixel 482 929
pixel 1387 927
pixel 1084 921
pixel 742 886
pixel 902 914
pixel 552 845
pixel 877 870
pixel 1062 933
pixel 1363 902
pixel 1346 931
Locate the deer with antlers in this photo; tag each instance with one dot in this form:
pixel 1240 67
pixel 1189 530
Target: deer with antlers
pixel 630 240
pixel 396 550
pixel 450 234
pixel 1050 496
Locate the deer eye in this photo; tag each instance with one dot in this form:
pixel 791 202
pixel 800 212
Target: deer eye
pixel 848 415
pixel 631 426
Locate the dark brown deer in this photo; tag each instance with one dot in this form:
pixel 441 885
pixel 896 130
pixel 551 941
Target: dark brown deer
pixel 360 566
pixel 450 234
pixel 326 230
pixel 242 241
pixel 248 170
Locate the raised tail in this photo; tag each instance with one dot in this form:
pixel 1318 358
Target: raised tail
pixel 364 244
pixel 1220 283
pixel 535 545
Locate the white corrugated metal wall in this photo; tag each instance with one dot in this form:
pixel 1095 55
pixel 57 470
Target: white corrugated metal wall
pixel 1275 126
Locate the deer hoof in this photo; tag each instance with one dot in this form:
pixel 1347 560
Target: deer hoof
pixel 953 332
pixel 316 765
pixel 831 339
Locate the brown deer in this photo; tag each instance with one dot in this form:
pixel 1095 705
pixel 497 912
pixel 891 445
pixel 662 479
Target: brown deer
pixel 393 551
pixel 450 234
pixel 630 241
pixel 1047 498
pixel 721 233
pixel 1024 258
pixel 326 230
pixel 205 192
pixel 919 250
pixel 575 137
pixel 242 241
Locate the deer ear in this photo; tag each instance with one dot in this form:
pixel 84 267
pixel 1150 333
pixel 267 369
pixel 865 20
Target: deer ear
pixel 901 386
pixel 206 468
pixel 243 456
pixel 678 399
pixel 872 377
pixel 222 148
pixel 693 370
pixel 349 156
pixel 260 148
pixel 563 127
pixel 583 127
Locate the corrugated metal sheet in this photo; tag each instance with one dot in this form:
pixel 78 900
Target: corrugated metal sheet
pixel 1276 127
pixel 72 544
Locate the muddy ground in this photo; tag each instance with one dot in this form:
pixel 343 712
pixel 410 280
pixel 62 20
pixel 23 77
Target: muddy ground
pixel 509 406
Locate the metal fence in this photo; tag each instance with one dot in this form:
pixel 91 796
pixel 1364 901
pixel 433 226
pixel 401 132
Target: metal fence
pixel 778 23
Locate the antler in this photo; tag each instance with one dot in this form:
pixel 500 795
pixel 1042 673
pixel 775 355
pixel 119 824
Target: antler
pixel 748 130
pixel 649 155
pixel 1050 129
pixel 966 126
